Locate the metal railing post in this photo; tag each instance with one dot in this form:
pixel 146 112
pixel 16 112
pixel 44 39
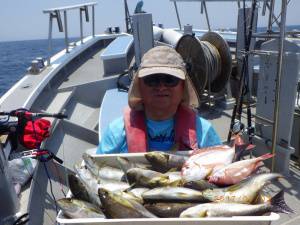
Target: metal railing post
pixel 66 32
pixel 81 28
pixel 55 13
pixel 49 39
pixel 178 19
pixel 206 15
pixel 271 9
pixel 93 21
pixel 278 78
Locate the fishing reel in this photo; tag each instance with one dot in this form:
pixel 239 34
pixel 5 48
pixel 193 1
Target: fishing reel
pixel 43 155
pixel 240 128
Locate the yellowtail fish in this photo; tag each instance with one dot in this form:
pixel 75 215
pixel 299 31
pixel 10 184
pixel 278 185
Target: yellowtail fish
pixel 74 208
pixel 168 209
pixel 102 171
pixel 276 204
pixel 147 178
pixel 163 162
pixel 173 194
pixel 94 183
pixel 81 191
pixel 116 206
pixel 245 192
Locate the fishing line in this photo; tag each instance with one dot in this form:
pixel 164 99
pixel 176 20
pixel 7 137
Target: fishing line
pixel 63 152
pixel 46 170
pixel 51 188
pixel 40 189
pixel 59 178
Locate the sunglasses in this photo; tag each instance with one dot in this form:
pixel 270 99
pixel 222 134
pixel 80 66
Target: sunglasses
pixel 156 80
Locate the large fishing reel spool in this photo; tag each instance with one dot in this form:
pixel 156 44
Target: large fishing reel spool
pixel 208 61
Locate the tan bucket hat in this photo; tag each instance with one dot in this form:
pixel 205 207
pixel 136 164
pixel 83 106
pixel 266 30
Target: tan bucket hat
pixel 158 60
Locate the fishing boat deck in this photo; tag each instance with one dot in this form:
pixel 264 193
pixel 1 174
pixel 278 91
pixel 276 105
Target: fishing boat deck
pixel 79 94
pixel 71 137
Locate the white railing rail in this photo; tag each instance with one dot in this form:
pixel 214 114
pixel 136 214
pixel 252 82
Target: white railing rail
pixel 54 13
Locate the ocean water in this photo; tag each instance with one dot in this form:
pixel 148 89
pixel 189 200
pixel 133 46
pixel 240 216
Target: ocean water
pixel 16 57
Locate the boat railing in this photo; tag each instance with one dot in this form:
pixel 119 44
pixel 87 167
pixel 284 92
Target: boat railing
pixel 55 13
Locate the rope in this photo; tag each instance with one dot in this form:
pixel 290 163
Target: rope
pixel 213 59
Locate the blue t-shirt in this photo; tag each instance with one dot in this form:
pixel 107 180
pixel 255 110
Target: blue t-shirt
pixel 160 136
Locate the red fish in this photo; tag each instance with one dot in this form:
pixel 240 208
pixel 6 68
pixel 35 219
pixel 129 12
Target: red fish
pixel 237 171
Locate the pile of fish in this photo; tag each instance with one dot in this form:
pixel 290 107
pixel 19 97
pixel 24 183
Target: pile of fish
pixel 211 182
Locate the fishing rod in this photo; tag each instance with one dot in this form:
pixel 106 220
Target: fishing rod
pixel 127 17
pixel 24 113
pixel 30 130
pixel 236 125
pixel 16 128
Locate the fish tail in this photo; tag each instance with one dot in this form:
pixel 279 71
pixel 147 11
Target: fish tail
pixel 279 205
pixel 250 147
pixel 265 156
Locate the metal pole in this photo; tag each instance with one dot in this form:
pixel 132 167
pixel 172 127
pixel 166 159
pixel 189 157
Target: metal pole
pixel 178 19
pixel 66 31
pixel 273 16
pixel 93 20
pixel 206 15
pixel 278 79
pixel 81 29
pixel 270 15
pixel 126 16
pixel 49 38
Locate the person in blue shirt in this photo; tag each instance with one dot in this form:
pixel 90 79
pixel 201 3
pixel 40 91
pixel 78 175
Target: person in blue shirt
pixel 160 115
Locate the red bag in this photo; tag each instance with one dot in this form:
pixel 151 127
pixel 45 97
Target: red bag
pixel 34 133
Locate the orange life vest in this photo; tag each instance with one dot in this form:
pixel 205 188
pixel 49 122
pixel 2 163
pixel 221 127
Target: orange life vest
pixel 136 132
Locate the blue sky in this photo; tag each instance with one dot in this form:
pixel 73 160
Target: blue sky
pixel 24 19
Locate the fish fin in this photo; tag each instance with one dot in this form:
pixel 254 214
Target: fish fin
pixel 234 187
pixel 122 167
pixel 279 205
pixel 210 170
pixel 102 164
pixel 177 183
pixel 172 170
pixel 132 186
pixel 265 156
pixel 250 147
pixel 258 166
